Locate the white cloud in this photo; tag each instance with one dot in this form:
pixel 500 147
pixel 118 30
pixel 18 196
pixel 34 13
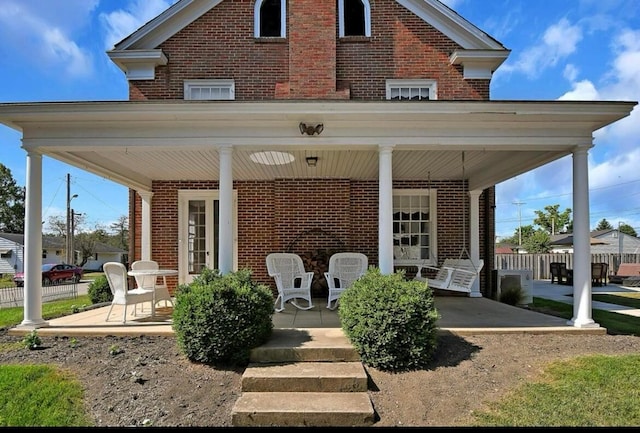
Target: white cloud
pixel 121 23
pixel 582 91
pixel 42 33
pixel 558 42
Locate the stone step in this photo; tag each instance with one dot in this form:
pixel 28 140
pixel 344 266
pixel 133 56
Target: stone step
pixel 303 409
pixel 305 377
pixel 305 344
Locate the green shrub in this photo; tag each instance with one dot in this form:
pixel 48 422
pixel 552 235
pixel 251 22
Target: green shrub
pixel 391 322
pixel 511 292
pixel 99 290
pixel 218 319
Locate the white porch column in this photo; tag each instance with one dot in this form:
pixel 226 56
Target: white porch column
pixel 145 235
pixel 474 237
pixel 581 242
pixel 33 244
pixel 225 237
pixel 385 210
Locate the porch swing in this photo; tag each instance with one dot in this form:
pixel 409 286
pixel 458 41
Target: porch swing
pixel 456 274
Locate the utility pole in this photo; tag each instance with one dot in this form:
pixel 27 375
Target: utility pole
pixel 73 231
pixel 69 241
pixel 519 203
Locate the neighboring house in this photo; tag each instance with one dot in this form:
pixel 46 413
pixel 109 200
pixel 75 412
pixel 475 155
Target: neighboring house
pixel 615 242
pixel 311 127
pixel 53 251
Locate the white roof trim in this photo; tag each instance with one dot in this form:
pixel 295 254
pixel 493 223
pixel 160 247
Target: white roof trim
pixel 452 25
pixel 167 24
pixel 138 64
pixel 478 63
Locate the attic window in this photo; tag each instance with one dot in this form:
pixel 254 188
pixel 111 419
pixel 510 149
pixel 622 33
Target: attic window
pixel 355 18
pixel 270 17
pixel 209 90
pixel 411 90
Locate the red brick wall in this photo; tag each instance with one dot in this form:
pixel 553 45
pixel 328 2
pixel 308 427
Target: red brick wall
pixel 312 62
pixel 305 216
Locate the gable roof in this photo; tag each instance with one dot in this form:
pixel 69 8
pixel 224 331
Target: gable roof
pixel 138 54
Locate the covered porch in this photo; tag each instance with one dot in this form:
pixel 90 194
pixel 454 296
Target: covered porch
pixel 474 144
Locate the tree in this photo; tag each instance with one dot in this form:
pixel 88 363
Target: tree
pixel 538 242
pixel 120 228
pixel 628 230
pixel 12 197
pixel 57 226
pixel 552 221
pixel 604 225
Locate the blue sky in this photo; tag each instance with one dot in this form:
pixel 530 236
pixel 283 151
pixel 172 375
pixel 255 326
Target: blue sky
pixel 54 50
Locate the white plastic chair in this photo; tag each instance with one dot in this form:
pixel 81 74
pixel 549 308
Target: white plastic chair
pixel 116 274
pixel 292 281
pixel 344 269
pixel 150 282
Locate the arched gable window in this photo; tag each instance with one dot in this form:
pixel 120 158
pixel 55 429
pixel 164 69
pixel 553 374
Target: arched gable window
pixel 270 19
pixel 355 18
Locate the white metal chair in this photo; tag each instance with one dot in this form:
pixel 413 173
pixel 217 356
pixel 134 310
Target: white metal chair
pixel 116 274
pixel 150 282
pixel 344 269
pixel 292 281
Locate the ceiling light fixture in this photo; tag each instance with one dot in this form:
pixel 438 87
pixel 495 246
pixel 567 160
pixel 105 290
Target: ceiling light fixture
pixel 312 161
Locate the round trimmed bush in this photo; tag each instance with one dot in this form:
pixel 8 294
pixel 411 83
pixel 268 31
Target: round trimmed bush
pixel 218 319
pixel 99 291
pixel 390 321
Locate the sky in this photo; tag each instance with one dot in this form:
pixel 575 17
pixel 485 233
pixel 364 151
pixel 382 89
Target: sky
pixel 55 50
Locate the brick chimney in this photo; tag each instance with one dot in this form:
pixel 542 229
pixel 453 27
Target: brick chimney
pixel 311 31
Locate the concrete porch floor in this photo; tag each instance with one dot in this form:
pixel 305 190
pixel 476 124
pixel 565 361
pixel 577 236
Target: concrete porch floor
pixel 459 314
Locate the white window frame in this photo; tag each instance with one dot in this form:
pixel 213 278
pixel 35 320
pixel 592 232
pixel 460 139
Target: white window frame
pixel 432 85
pixel 190 85
pixel 283 19
pixel 367 18
pixel 404 257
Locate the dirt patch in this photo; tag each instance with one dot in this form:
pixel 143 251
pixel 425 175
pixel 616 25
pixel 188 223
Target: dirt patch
pixel 149 379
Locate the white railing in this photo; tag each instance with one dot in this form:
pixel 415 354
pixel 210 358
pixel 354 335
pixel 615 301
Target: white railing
pixel 14 296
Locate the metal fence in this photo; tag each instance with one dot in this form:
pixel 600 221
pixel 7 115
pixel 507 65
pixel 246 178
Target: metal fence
pixel 14 296
pixel 539 263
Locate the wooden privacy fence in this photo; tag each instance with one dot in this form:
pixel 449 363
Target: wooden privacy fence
pixel 539 263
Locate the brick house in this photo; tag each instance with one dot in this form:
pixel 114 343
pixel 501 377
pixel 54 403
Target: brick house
pixel 312 126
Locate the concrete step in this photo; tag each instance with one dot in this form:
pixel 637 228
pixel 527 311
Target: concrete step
pixel 305 377
pixel 305 344
pixel 303 409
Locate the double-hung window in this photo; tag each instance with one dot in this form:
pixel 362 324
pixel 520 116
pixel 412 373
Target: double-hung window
pixel 270 19
pixel 414 225
pixel 411 90
pixel 216 90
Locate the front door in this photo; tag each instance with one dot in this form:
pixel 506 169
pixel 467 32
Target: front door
pixel 199 228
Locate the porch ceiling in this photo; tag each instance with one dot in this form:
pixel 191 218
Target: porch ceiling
pixel 134 143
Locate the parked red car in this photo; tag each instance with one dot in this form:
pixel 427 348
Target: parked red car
pixel 54 274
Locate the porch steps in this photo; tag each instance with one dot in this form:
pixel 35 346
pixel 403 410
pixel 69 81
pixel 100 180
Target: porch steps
pixel 304 377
